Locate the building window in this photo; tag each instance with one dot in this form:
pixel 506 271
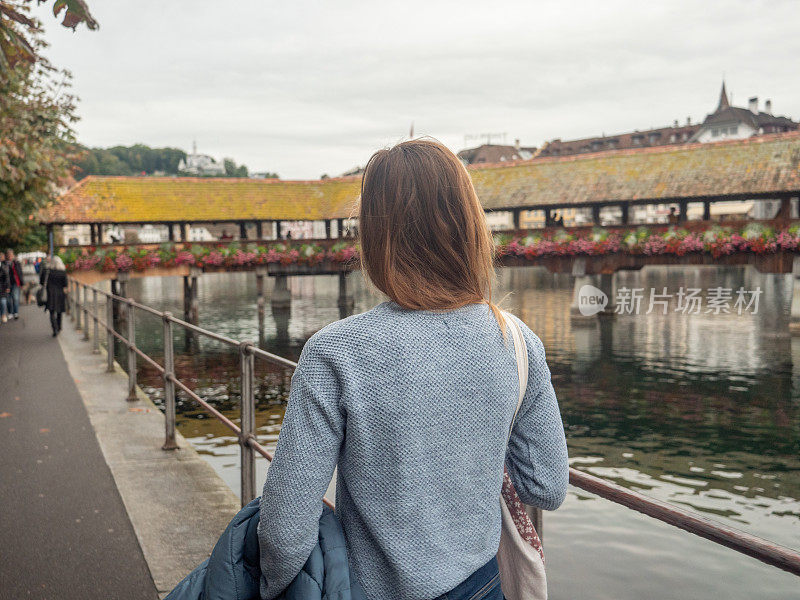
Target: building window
pixel 637 140
pixel 672 138
pixel 715 132
pixel 733 130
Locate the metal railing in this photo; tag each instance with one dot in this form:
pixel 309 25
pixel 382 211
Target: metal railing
pixel 750 545
pixel 81 313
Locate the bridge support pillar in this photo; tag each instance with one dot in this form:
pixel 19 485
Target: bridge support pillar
pixel 114 306
pixel 191 306
pixel 261 302
pixel 281 296
pixel 122 279
pixel 587 302
pixel 121 287
pixel 346 301
pixel 607 285
pixel 194 302
pixel 576 315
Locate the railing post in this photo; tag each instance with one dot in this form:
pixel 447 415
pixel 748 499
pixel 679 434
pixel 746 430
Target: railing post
pixel 85 305
pixel 169 385
pixel 72 292
pixel 110 333
pixel 131 353
pixel 248 424
pixel 78 306
pixel 96 316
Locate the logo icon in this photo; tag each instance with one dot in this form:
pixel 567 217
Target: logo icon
pixel 591 300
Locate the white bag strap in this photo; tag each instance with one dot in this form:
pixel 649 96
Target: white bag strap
pixel 521 352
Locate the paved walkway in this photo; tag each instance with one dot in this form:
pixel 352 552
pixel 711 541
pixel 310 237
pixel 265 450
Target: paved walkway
pixel 64 531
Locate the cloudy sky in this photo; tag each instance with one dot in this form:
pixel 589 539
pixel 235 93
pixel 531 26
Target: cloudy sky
pixel 305 88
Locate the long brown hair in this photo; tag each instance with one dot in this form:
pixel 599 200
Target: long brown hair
pixel 424 238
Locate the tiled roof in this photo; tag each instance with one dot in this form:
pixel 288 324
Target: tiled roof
pixel 662 136
pixel 735 114
pixel 494 153
pixel 756 166
pixel 175 199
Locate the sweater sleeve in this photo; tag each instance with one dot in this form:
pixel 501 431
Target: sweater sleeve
pixel 537 450
pixel 305 458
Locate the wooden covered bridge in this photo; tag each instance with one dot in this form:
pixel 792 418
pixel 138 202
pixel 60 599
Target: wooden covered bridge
pixel 613 189
pixel 758 169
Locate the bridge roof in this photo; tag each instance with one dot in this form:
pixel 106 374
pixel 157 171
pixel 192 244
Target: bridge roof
pixel 754 167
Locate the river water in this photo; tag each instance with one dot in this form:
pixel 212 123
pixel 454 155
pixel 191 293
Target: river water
pixel 700 410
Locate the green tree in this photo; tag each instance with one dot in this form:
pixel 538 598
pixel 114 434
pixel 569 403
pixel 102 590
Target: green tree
pixel 230 167
pixel 231 170
pixel 129 160
pixel 36 142
pixel 19 31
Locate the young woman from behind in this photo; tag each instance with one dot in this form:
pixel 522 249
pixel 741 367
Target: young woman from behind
pixel 413 401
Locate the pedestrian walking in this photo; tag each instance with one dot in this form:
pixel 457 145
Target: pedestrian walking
pixel 17 280
pixel 53 276
pixel 5 288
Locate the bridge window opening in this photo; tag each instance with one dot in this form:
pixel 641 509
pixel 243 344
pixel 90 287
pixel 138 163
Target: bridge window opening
pixel 611 215
pixel 578 217
pixel 531 219
pixel 694 211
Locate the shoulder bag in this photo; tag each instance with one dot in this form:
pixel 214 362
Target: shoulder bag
pixel 41 293
pixel 520 555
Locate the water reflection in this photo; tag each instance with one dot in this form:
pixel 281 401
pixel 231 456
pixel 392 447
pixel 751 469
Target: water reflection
pixel 699 410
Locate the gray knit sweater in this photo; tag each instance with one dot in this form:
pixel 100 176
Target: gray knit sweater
pixel 414 407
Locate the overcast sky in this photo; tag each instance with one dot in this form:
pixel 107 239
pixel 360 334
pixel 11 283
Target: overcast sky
pixel 305 88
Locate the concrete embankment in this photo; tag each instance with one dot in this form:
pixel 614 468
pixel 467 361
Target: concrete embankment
pixel 177 504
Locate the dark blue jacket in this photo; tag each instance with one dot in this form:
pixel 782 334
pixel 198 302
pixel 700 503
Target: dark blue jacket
pixel 232 571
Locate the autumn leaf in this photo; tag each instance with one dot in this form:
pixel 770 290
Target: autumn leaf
pixel 76 13
pixel 16 27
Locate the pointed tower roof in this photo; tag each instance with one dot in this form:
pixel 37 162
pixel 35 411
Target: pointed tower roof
pixel 723 98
